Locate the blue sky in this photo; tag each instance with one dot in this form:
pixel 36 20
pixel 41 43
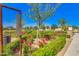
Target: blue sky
pixel 68 11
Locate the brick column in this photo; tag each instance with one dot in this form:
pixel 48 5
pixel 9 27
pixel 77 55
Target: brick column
pixel 1 32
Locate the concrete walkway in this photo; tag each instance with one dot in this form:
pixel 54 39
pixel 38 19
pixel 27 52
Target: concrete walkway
pixel 73 49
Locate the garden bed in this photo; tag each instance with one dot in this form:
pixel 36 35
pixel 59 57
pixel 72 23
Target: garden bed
pixel 48 48
pixel 52 48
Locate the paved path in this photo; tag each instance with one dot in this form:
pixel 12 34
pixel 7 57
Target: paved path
pixel 73 49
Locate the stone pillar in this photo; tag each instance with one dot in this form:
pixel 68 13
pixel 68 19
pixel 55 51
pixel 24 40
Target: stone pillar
pixel 18 25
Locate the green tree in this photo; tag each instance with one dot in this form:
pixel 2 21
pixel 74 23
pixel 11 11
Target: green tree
pixel 40 12
pixel 75 27
pixel 53 26
pixel 42 26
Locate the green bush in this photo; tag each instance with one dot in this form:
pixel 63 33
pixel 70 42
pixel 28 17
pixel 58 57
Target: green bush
pixel 29 35
pixel 52 48
pixel 43 33
pixel 26 50
pixel 8 49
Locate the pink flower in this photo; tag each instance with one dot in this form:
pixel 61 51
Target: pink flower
pixel 40 42
pixel 45 41
pixel 35 46
pixel 23 32
pixel 16 50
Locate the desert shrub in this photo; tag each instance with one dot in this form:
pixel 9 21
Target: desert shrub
pixel 51 48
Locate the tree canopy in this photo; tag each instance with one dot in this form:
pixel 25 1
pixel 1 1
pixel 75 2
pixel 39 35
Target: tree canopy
pixel 40 11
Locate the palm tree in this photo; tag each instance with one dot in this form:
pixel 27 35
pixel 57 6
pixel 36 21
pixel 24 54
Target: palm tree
pixel 62 23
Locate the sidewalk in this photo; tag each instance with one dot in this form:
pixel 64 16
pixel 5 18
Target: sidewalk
pixel 73 49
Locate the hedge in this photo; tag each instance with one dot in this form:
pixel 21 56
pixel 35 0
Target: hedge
pixel 52 48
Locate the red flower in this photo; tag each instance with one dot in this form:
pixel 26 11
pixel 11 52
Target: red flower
pixel 43 40
pixel 47 39
pixel 30 44
pixel 16 50
pixel 23 40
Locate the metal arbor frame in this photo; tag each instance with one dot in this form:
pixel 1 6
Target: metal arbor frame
pixel 1 26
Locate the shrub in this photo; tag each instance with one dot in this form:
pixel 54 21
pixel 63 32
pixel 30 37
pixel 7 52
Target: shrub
pixel 43 33
pixel 26 50
pixel 29 35
pixel 51 48
pixel 8 49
